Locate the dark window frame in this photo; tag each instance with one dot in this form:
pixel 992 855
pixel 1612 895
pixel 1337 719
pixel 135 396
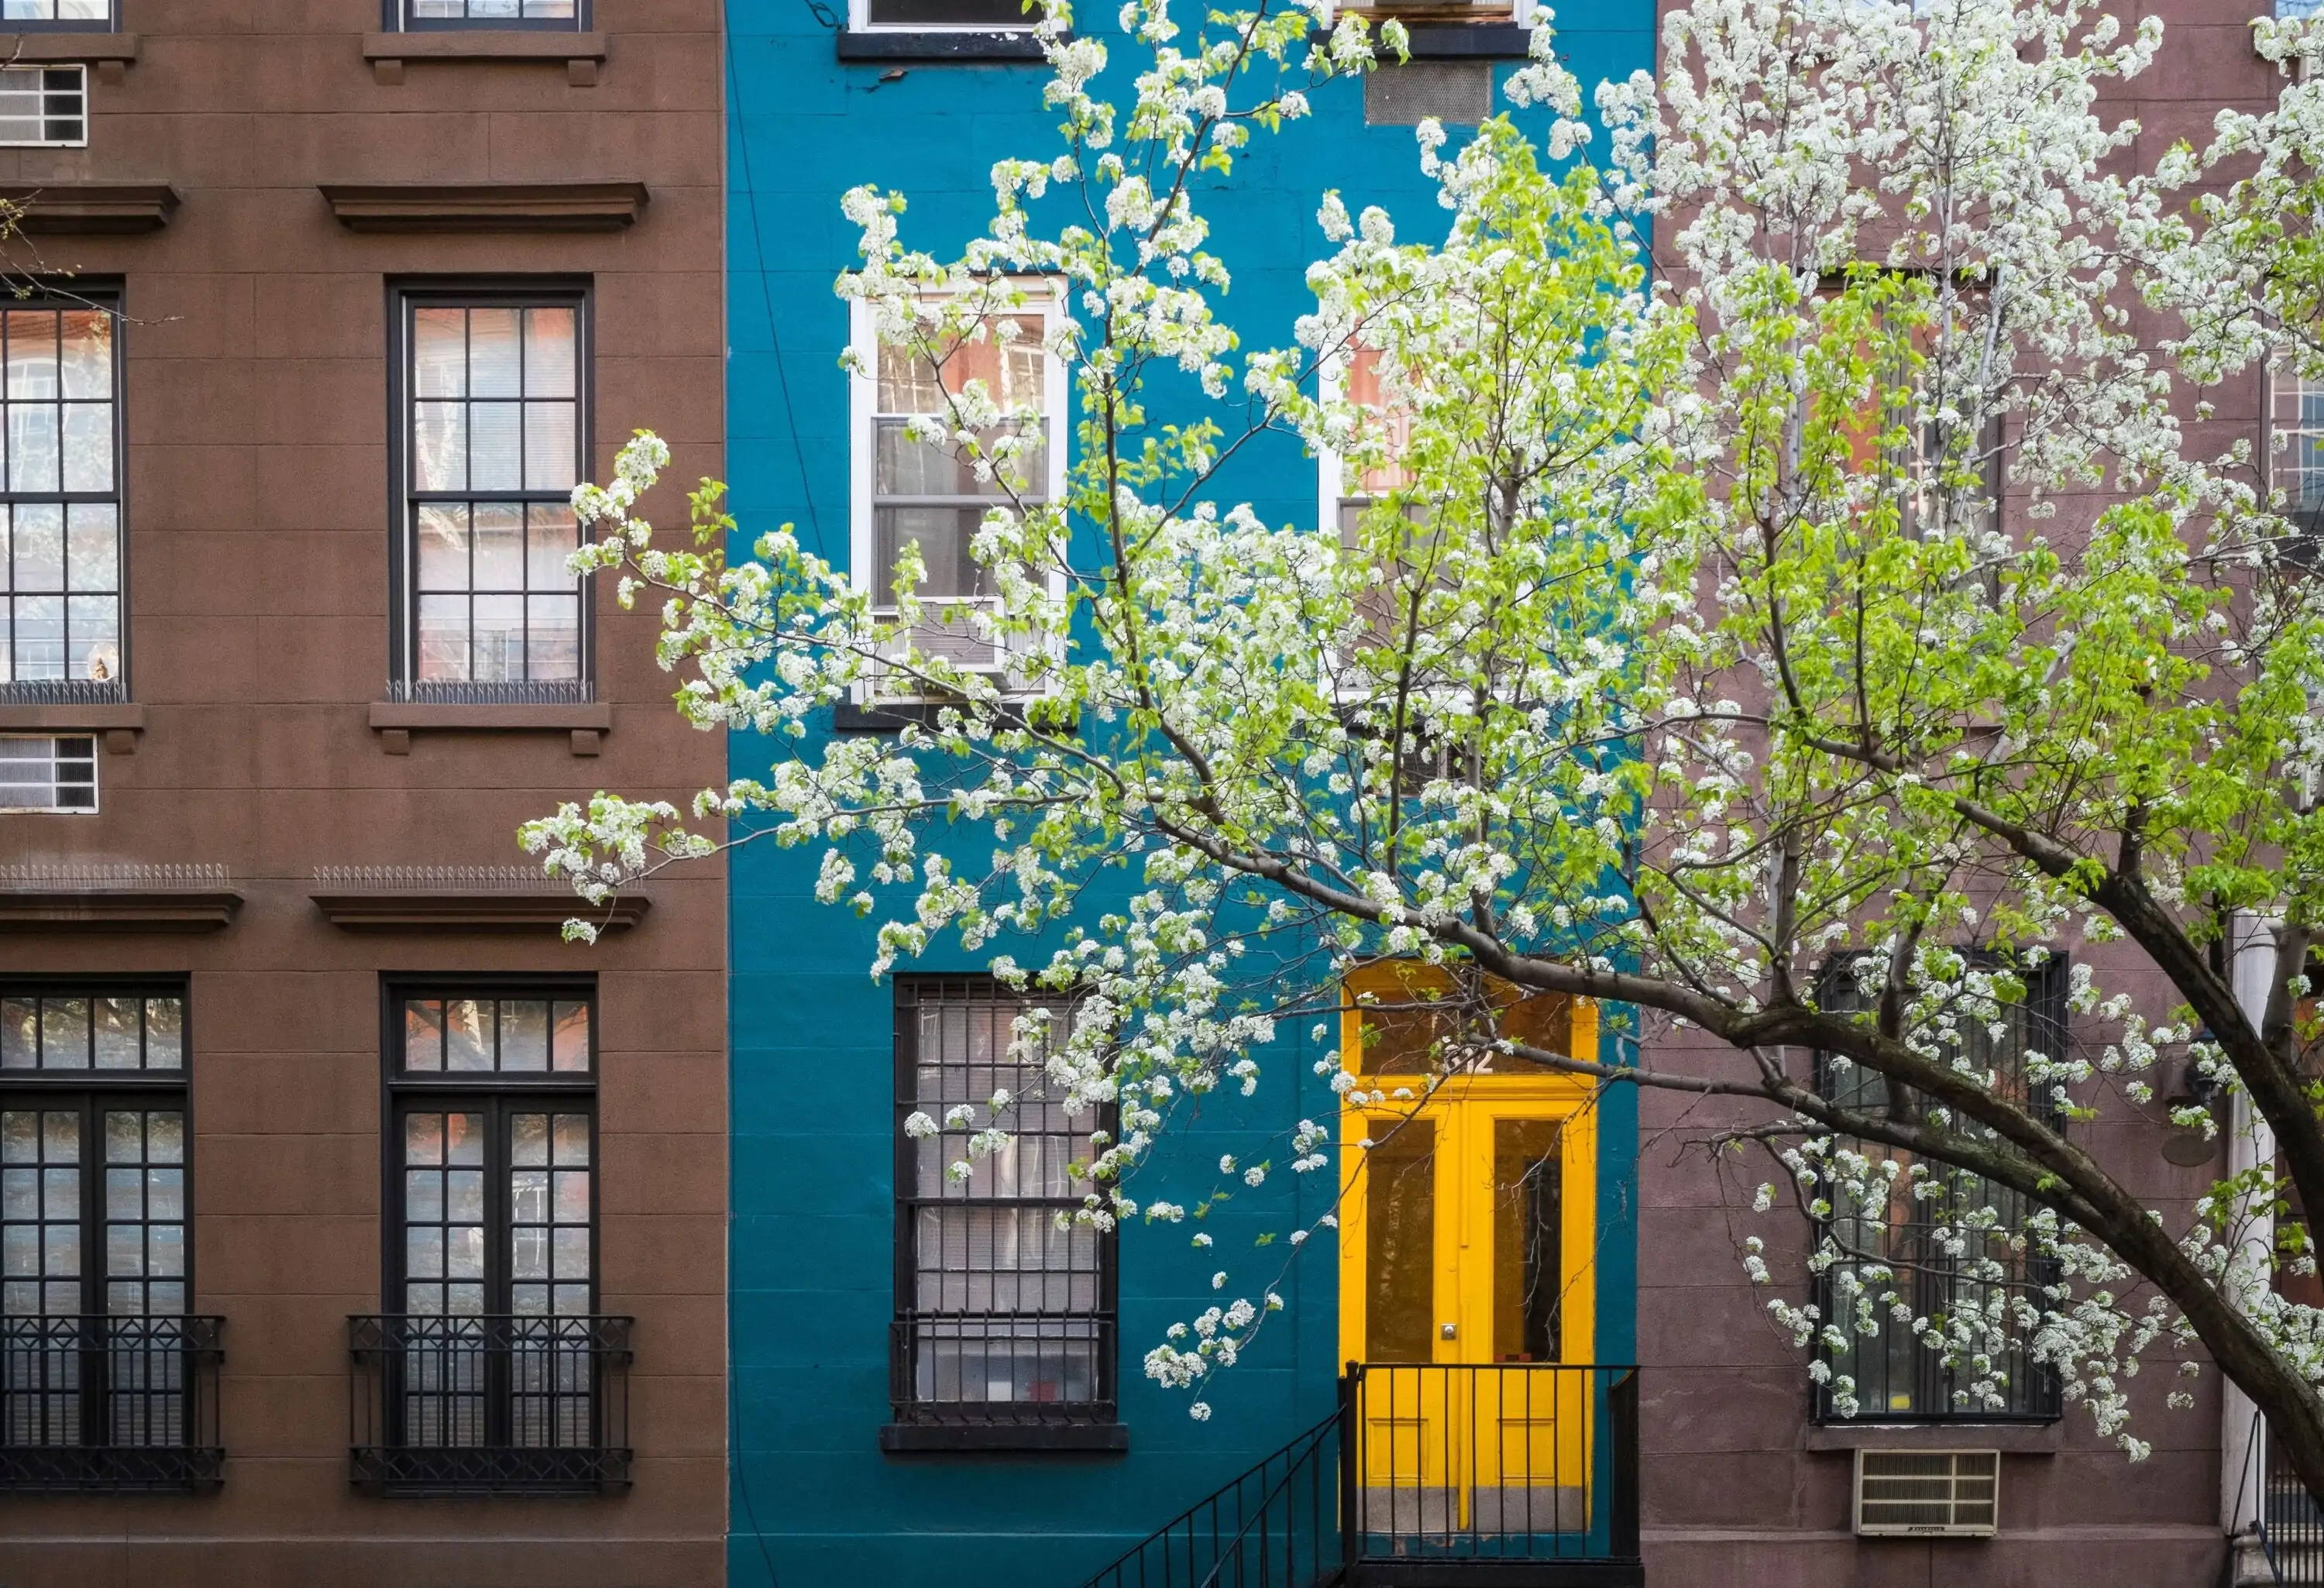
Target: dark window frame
pixel 405 295
pixel 496 1094
pixel 111 24
pixel 395 18
pixel 107 295
pixel 2037 1398
pixel 935 1426
pixel 93 1091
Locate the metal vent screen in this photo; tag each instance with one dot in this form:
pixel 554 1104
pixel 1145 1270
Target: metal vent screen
pixel 1458 92
pixel 1927 1492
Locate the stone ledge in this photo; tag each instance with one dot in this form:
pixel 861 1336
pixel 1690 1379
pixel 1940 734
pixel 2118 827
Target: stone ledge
pixel 2009 1438
pixel 101 718
pixel 110 53
pixel 118 209
pixel 487 206
pixel 581 54
pixel 123 910
pixel 358 911
pixel 426 717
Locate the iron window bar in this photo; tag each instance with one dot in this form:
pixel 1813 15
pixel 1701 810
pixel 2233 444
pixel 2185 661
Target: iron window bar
pixel 490 1404
pixel 110 1403
pixel 491 691
pixel 64 692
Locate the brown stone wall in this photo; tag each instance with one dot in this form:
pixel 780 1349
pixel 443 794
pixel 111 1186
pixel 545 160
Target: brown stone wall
pixel 1740 1489
pixel 256 413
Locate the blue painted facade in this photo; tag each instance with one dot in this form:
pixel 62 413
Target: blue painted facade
pixel 814 1503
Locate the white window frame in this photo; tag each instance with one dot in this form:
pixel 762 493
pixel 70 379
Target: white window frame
pixel 1520 11
pixel 43 70
pixel 53 808
pixel 1043 297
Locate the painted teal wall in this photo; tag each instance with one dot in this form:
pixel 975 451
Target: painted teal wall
pixel 814 1503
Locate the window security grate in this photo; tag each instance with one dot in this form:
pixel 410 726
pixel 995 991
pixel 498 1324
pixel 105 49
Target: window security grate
pixel 48 774
pixel 1927 1492
pixel 43 105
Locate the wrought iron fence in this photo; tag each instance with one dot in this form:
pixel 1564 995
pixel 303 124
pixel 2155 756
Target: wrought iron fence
pixel 1002 1368
pixel 109 1403
pixel 2290 1521
pixel 490 1403
pixel 1426 1473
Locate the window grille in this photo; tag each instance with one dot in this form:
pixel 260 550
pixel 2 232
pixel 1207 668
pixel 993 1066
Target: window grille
pixel 494 1360
pixel 104 1377
pixel 48 774
pixel 60 562
pixel 44 106
pixel 1899 1376
pixel 494 436
pixel 1459 93
pixel 56 15
pixel 926 494
pixel 1004 1304
pixel 422 15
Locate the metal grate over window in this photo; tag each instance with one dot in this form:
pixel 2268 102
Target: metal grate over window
pixel 494 440
pixel 1899 1375
pixel 1459 93
pixel 1005 1304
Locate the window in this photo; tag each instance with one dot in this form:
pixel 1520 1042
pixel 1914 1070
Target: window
pixel 56 15
pixel 421 15
pixel 48 774
pixel 1898 1377
pixel 942 15
pixel 103 1374
pixel 2295 458
pixel 1004 1304
pixel 924 493
pixel 493 434
pixel 44 106
pixel 60 543
pixel 491 1369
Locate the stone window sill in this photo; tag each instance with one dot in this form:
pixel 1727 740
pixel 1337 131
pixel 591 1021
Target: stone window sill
pixel 109 53
pixel 118 724
pixel 395 721
pixel 2009 1438
pixel 977 1438
pixel 937 45
pixel 582 54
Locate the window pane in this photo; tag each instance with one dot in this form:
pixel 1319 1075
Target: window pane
pixel 88 447
pixel 496 452
pixel 443 637
pixel 571 1037
pixel 439 446
pixel 500 546
pixel 116 1033
pixel 93 546
pixel 32 447
pixel 524 1035
pixel 499 636
pixel 20 1035
pixel 549 343
pixel 493 359
pixel 64 1033
pixel 468 1030
pixel 553 650
pixel 529 1139
pixel 440 352
pixel 944 535
pixel 551 536
pixel 550 460
pixel 443 548
pixel 31 353
pixel 88 350
pixel 40 546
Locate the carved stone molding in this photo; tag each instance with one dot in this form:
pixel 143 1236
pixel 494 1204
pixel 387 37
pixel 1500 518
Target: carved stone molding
pixel 487 206
pixel 92 209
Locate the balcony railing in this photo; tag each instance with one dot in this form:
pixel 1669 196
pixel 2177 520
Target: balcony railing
pixel 1513 1474
pixel 109 1403
pixel 492 1404
pixel 491 691
pixel 996 1369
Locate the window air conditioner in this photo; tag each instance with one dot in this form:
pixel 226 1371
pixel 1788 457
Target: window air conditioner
pixel 1927 1493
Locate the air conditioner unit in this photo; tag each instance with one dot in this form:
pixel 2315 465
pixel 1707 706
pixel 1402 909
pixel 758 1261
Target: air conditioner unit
pixel 1927 1493
pixel 952 638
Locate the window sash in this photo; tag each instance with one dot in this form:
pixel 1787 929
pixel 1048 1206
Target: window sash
pixel 59 16
pixel 484 605
pixel 996 1307
pixel 420 16
pixel 96 1217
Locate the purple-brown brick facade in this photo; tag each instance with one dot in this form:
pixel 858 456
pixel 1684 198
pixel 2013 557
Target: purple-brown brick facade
pixel 1742 1483
pixel 357 1229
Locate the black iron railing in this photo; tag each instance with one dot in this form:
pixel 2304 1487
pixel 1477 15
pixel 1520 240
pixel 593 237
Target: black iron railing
pixel 1002 1368
pixel 1513 1472
pixel 492 691
pixel 63 692
pixel 2290 1521
pixel 1277 1525
pixel 109 1403
pixel 499 1403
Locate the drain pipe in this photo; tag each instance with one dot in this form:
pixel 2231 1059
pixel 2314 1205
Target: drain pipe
pixel 2243 1468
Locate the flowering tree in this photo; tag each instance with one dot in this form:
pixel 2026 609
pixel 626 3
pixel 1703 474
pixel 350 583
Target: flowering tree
pixel 1814 647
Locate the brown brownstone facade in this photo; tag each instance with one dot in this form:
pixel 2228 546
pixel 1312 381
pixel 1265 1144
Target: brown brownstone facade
pixel 260 180
pixel 1742 1488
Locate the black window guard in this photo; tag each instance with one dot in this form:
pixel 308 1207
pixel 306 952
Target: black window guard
pixel 109 1403
pixel 490 1404
pixel 1002 1370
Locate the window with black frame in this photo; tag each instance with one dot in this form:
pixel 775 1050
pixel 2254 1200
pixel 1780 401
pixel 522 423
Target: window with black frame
pixel 492 433
pixel 430 16
pixel 107 1378
pixel 489 1370
pixel 1899 1374
pixel 1004 1301
pixel 61 531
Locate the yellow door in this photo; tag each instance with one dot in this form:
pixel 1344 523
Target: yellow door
pixel 1467 1227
